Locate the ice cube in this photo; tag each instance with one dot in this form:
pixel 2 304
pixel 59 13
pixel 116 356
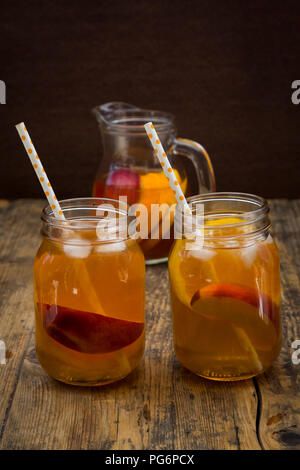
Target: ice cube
pixel 203 254
pixel 77 248
pixel 249 254
pixel 110 247
pixel 232 244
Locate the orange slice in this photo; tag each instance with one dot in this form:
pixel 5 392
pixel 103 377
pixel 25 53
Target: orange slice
pixel 188 272
pixel 224 220
pixel 155 189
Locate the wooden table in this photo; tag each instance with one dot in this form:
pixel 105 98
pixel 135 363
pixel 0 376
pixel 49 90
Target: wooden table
pixel 160 405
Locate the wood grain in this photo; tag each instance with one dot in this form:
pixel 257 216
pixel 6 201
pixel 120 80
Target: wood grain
pixel 18 243
pixel 279 388
pixel 160 405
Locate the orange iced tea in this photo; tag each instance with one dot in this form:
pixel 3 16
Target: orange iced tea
pixel 226 293
pixel 146 187
pixel 89 297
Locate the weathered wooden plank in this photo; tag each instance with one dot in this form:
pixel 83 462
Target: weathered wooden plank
pixel 285 217
pixel 279 388
pixel 161 405
pixel 18 241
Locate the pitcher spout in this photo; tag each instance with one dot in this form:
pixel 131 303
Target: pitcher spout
pixel 106 114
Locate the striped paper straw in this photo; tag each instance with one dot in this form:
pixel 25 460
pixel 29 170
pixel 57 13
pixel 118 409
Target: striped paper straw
pixel 40 172
pixel 165 164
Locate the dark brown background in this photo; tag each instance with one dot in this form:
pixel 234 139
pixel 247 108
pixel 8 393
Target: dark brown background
pixel 224 68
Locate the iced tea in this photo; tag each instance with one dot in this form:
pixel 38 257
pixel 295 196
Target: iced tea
pixel 89 300
pixel 226 294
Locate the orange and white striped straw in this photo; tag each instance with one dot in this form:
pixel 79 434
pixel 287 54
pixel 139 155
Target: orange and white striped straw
pixel 40 172
pixel 165 164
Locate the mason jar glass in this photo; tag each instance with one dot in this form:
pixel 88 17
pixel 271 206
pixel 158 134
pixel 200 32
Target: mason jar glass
pixel 89 289
pixel 225 287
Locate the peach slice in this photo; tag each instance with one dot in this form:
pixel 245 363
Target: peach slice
pixel 260 301
pixel 122 182
pixel 87 332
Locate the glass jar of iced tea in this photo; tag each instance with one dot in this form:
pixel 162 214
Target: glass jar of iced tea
pixel 225 287
pixel 89 278
pixel 129 167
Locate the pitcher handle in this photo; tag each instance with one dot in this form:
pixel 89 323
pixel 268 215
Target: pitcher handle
pixel 201 161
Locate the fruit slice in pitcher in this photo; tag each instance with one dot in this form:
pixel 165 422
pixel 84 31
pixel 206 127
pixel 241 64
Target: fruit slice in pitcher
pixel 123 182
pixel 88 332
pixel 155 189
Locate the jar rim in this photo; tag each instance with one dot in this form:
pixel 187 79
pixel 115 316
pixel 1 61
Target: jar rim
pixel 249 209
pixel 78 217
pixel 260 204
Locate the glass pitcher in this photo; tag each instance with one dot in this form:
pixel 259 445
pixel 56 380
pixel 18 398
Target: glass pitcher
pixel 129 167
